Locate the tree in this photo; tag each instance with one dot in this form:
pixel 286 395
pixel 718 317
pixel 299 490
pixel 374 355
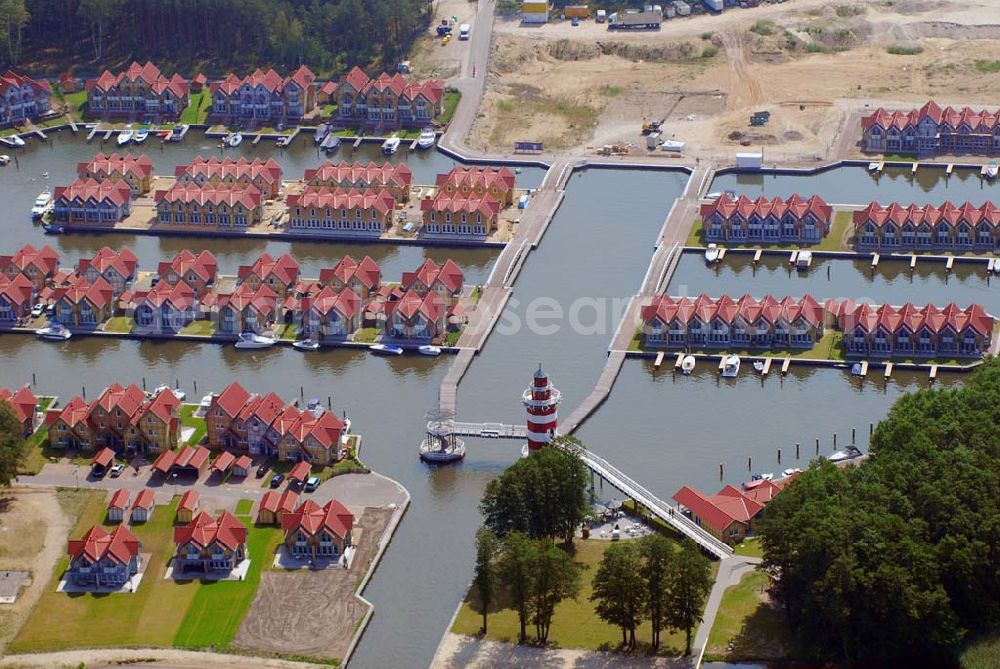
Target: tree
pixel 658 560
pixel 619 590
pixel 516 569
pixel 507 7
pixel 99 13
pixel 557 577
pixel 543 495
pixel 14 17
pixel 11 444
pixel 485 578
pixel 689 582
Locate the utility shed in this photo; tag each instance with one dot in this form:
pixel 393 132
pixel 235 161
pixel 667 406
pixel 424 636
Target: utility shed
pixel 749 161
pixel 535 12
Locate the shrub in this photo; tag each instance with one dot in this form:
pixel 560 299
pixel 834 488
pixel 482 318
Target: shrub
pixel 763 27
pixel 706 36
pixel 905 50
pixel 988 66
pixel 709 51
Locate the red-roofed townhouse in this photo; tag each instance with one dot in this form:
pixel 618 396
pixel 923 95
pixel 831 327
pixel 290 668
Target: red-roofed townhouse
pixel 210 545
pixel 415 317
pixel 247 310
pixel 445 280
pixel 264 96
pixel 222 411
pixel 139 91
pixel 217 207
pixel 118 505
pixel 83 304
pixel 187 506
pixel 264 175
pixel 72 428
pixel 314 438
pixel 24 404
pixel 350 213
pixel 457 217
pixel 118 268
pixel 198 272
pixel 16 298
pixel 136 171
pixel 280 275
pixel 396 178
pixel 949 227
pixel 728 515
pixel 256 427
pixel 89 202
pixel 274 506
pixel 103 560
pixel 38 265
pixel 928 332
pixel 318 533
pixel 22 98
pixel 364 278
pixel 142 507
pixel 796 220
pixel 476 182
pixel 165 309
pixel 331 315
pixel 388 101
pixel 931 130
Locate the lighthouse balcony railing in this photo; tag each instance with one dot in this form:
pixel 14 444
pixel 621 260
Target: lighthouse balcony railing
pixel 554 397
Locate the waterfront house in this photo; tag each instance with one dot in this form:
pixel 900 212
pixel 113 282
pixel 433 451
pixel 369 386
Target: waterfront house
pixel 198 272
pixel 247 310
pixel 458 217
pixel 142 507
pixel 16 298
pixel 364 278
pixel 187 506
pixel 475 182
pixel 165 309
pixel 274 506
pixel 264 175
pixel 118 268
pixel 932 130
pixel 23 404
pixel 728 515
pixel 222 411
pixel 38 265
pixel 762 221
pixel 280 275
pixel 885 331
pixel 136 171
pixel 71 429
pixel 725 323
pixel 220 207
pixel 331 315
pixel 68 83
pixel 83 304
pixel 118 505
pixel 350 213
pixel 140 91
pixel 101 559
pixel 311 436
pixel 396 178
pixel 22 98
pixel 950 227
pixel 210 545
pixel 415 317
pixel 264 97
pixel 90 202
pixel 190 460
pixel 445 280
pixel 318 533
pixel 387 101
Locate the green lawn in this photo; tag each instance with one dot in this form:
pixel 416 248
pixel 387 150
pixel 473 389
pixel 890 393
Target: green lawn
pixel 983 653
pixel 365 335
pixel 287 331
pixel 827 348
pixel 244 507
pixel 453 337
pixel 200 327
pixel 451 99
pixel 197 109
pixel 750 548
pixel 76 102
pixel 575 624
pixel 638 342
pixel 188 419
pixel 122 324
pixel 746 620
pixel 838 239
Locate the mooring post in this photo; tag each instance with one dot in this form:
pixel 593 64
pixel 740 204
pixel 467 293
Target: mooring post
pixel 796 451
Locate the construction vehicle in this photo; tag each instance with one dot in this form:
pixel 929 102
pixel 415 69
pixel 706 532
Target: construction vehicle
pixel 651 126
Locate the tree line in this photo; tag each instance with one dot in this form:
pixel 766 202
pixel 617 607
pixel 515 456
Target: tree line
pixel 328 35
pixel 12 444
pixel 897 558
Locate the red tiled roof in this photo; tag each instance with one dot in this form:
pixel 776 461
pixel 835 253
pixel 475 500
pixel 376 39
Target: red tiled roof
pixel 189 501
pixel 411 304
pixel 396 83
pixel 269 80
pixel 144 500
pixel 948 117
pixel 232 399
pixel 361 175
pixel 310 518
pixel 267 170
pixel 121 545
pixel 719 511
pixel 448 273
pixel 285 269
pixel 474 176
pixel 744 207
pixel 243 462
pixel 346 302
pixel 224 461
pixel 927 215
pixel 148 73
pixel 180 296
pixel 104 457
pixel 203 531
pixel 300 472
pixel 486 205
pixel 274 501
pixel 75 411
pixel 123 261
pixel 367 272
pixel 263 300
pixel 248 196
pixel 10 78
pixel 891 319
pixel 667 309
pixel 120 499
pixel 192 456
pixel 204 265
pixel 117 193
pixel 340 198
pixel 141 166
pixel 44 259
pixel 23 402
pixel 18 290
pixel 164 461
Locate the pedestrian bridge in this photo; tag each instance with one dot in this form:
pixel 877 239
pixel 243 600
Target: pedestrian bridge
pixel 483 430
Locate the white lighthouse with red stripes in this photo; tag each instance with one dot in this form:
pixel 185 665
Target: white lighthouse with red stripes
pixel 541 399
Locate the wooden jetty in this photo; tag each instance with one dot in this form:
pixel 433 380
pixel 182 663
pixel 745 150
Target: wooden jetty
pixel 597 396
pixel 793 257
pixel 722 363
pixel 785 364
pixel 767 366
pixel 864 369
pixel 933 374
pixel 357 143
pixel 659 360
pixel 949 169
pixel 722 254
pixel 256 139
pixel 93 131
pixel 881 166
pixel 913 170
pixel 949 263
pixel 107 135
pixel 413 146
pixel 888 370
pixel 678 362
pixel 756 255
pixel 875 258
pixel 913 262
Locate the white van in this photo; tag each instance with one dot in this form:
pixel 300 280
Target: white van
pixel 463 31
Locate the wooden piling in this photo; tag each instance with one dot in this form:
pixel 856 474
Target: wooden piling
pixel 749 464
pixel 779 456
pixel 796 451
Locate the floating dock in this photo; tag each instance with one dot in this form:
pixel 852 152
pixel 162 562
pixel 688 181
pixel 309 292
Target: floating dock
pixel 949 263
pixel 864 369
pixel 785 364
pixel 875 259
pixel 413 145
pixel 888 370
pixel 357 143
pixel 913 170
pixel 933 374
pixel 913 262
pixel 881 166
pixel 659 360
pixel 678 361
pixel 949 169
pixel 722 254
pixel 756 256
pixel 767 366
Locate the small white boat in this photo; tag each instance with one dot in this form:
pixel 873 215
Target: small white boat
pixel 991 170
pixel 873 167
pixel 390 146
pixel 385 349
pixel 282 142
pixel 235 139
pixel 427 349
pixel 42 205
pixel 438 451
pixel 4 160
pixel 177 134
pixel 250 340
pixel 177 392
pixel 758 365
pixel 790 471
pixel 140 135
pixel 687 364
pixel 125 136
pixel 714 196
pixel 7 141
pixel 53 228
pixel 16 140
pixel 306 345
pixel 55 332
pixel 712 253
pixel 845 454
pixel 731 367
pixel 803 260
pixel 856 369
pixel 426 139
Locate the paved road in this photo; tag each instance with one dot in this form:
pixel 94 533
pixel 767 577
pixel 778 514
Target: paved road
pixel 731 572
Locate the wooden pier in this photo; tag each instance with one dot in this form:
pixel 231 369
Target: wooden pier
pixel 413 146
pixel 756 256
pixel 864 369
pixel 93 131
pixel 597 396
pixel 881 167
pixel 933 373
pixel 357 143
pixel 256 139
pixel 767 366
pixel 951 168
pixel 793 257
pixel 678 363
pixel 949 263
pixel 785 364
pixel 913 262
pixel 913 170
pixel 875 259
pixel 658 361
pixel 722 254
pixel 888 370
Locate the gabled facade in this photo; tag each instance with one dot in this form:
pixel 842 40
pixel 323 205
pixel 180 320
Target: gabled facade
pixel 280 275
pixel 139 91
pixel 315 533
pixel 364 278
pixel 83 304
pixel 220 207
pixel 457 217
pixel 265 96
pixel 22 98
pixel 118 268
pixel 445 280
pixel 210 545
pixel 136 171
pixel 389 101
pixel 197 271
pixel 330 316
pixel 415 317
pixel 37 265
pixel 729 515
pixel 165 309
pixel 476 182
pixel 101 559
pixel 16 298
pixel 24 404
pixel 932 130
pixel 949 227
pixel 90 202
pixel 396 178
pixel 264 175
pixel 340 212
pixel 247 310
pixel 762 221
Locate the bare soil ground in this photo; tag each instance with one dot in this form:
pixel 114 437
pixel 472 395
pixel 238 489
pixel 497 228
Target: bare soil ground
pixel 428 58
pixel 304 613
pixel 814 64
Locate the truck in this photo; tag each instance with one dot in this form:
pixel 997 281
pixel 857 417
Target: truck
pixel 633 20
pixel 683 8
pixel 464 30
pixel 714 5
pixel 601 16
pixel 576 11
pixel 444 28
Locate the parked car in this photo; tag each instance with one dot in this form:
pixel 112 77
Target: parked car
pixel 276 480
pixel 37 310
pixel 117 470
pixel 263 469
pixel 311 484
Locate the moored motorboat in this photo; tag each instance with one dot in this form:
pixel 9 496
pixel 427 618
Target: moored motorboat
pixel 426 139
pixel 385 349
pixel 4 160
pixel 17 141
pixel 390 146
pixel 306 345
pixel 803 260
pixel 125 136
pixel 712 253
pixel 53 228
pixel 856 369
pixel 731 367
pixel 249 340
pixel 42 205
pixel 177 392
pixel 991 170
pixel 427 349
pixel 177 134
pixel 235 139
pixel 758 365
pixel 714 196
pixel 791 471
pixel 687 364
pixel 140 135
pixel 54 332
pixel 849 453
pixel 873 167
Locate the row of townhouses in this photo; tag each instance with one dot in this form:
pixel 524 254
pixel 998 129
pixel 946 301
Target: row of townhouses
pixel 22 98
pixel 386 101
pixel 931 130
pixel 948 227
pixel 775 221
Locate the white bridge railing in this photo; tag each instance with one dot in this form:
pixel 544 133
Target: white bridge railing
pixel 488 430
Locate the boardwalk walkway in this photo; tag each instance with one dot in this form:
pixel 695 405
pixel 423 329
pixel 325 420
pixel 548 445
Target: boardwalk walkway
pixel 597 395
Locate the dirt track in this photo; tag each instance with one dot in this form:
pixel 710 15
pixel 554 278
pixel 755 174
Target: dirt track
pixel 312 613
